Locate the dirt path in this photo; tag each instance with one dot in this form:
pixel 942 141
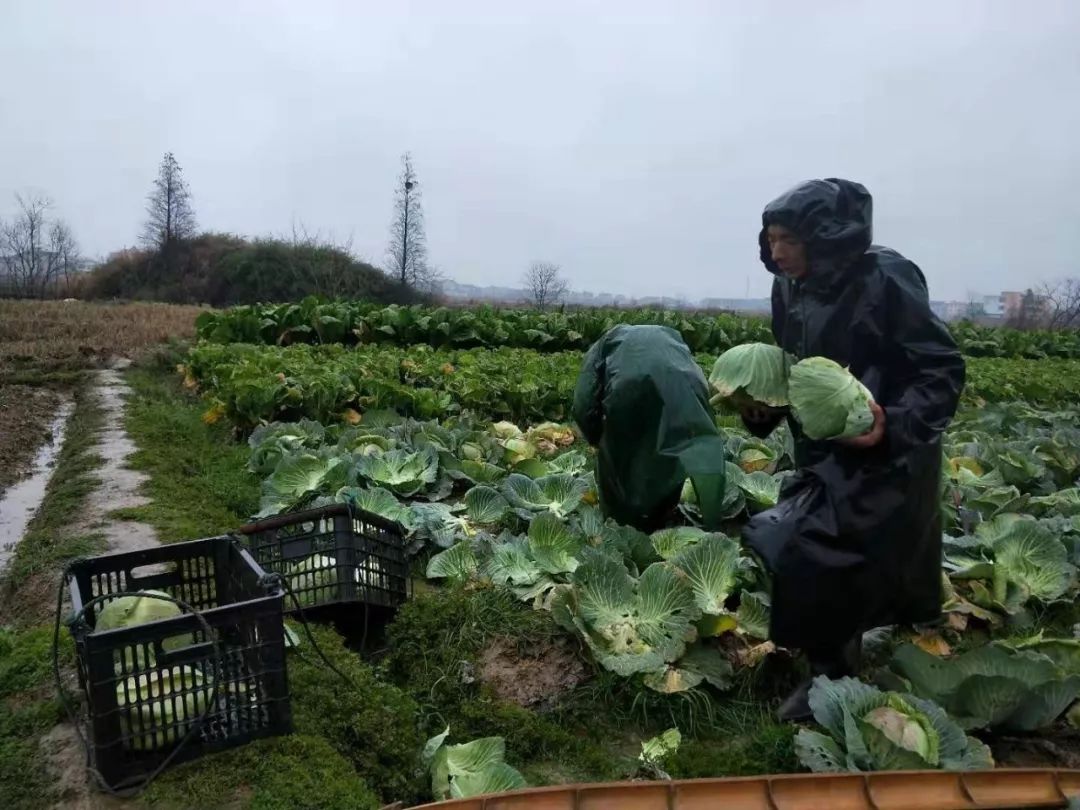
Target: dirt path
pixel 118 489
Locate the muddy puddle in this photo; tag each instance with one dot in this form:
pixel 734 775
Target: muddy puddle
pixel 21 500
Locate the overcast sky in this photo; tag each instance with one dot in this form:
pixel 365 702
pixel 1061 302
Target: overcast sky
pixel 633 143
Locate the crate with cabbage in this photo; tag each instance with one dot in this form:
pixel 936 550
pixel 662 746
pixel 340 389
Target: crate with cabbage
pixel 826 399
pixel 158 703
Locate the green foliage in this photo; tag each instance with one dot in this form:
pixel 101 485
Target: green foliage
pixel 756 745
pixel 491 327
pixel 436 630
pixel 433 646
pixel 631 625
pixel 371 723
pixel 299 771
pixel 993 686
pixel 222 269
pixel 486 327
pixel 253 384
pixel 26 659
pixel 197 478
pixel 24 783
pixel 28 709
pixel 1045 383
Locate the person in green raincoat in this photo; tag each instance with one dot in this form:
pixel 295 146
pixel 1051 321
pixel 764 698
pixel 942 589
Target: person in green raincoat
pixel 643 402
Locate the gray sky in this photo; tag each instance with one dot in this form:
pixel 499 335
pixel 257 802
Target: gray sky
pixel 633 143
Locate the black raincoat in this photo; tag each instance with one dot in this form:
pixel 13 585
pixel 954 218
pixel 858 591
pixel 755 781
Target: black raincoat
pixel 855 541
pixel 643 402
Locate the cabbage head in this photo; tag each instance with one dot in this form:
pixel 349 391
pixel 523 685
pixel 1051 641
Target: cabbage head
pixel 403 473
pixel 751 373
pixel 828 400
pixel 865 729
pixel 128 611
pixel 157 708
pixel 313 579
pixel 905 727
pixel 469 769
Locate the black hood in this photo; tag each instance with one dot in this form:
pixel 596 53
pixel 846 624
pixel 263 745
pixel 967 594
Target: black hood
pixel 834 218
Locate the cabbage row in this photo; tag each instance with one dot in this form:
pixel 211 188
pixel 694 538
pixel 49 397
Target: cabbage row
pixel 252 385
pixel 431 439
pixel 350 323
pixel 682 609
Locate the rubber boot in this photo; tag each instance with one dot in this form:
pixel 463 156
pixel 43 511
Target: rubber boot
pixel 833 664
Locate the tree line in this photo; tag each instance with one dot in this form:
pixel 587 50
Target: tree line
pixel 40 257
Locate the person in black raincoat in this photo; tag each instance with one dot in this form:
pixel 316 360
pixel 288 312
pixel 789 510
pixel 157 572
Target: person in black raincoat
pixel 643 402
pixel 855 541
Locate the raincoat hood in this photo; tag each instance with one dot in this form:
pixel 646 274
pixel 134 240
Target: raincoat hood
pixel 834 219
pixel 855 541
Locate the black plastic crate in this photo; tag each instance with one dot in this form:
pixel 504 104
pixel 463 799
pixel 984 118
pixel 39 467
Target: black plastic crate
pixel 148 684
pixel 334 555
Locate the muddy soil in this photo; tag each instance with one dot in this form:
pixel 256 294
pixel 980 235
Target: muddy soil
pixel 20 501
pixel 534 678
pixel 1058 747
pixel 25 415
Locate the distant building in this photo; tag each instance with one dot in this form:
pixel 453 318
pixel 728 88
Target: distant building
pixel 753 305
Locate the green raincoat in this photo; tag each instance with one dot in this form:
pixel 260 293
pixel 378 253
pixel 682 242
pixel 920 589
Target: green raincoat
pixel 643 402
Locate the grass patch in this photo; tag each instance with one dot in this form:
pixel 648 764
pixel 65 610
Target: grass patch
pixel 433 646
pixel 299 772
pixel 759 748
pixel 50 541
pixel 28 709
pixel 198 482
pixel 372 723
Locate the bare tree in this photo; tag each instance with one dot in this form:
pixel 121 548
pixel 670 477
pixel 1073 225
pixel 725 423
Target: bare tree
pixel 544 284
pixel 169 215
pixel 37 250
pixel 407 249
pixel 1061 304
pixel 974 308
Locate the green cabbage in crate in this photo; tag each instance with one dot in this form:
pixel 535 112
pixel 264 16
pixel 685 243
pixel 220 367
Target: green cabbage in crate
pixel 127 611
pixel 828 400
pixel 158 707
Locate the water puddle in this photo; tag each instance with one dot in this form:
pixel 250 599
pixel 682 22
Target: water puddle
pixel 21 500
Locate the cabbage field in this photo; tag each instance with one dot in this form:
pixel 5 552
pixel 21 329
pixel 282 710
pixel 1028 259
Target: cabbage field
pixel 454 424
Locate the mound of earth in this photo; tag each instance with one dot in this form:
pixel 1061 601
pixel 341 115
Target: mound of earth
pixel 533 678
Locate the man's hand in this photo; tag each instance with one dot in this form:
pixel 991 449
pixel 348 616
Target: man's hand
pixel 876 434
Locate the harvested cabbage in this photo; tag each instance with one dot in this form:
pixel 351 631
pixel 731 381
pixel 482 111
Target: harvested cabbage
pixel 314 579
pixel 369 572
pixel 828 400
pixel 753 373
pixel 163 703
pixel 127 611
